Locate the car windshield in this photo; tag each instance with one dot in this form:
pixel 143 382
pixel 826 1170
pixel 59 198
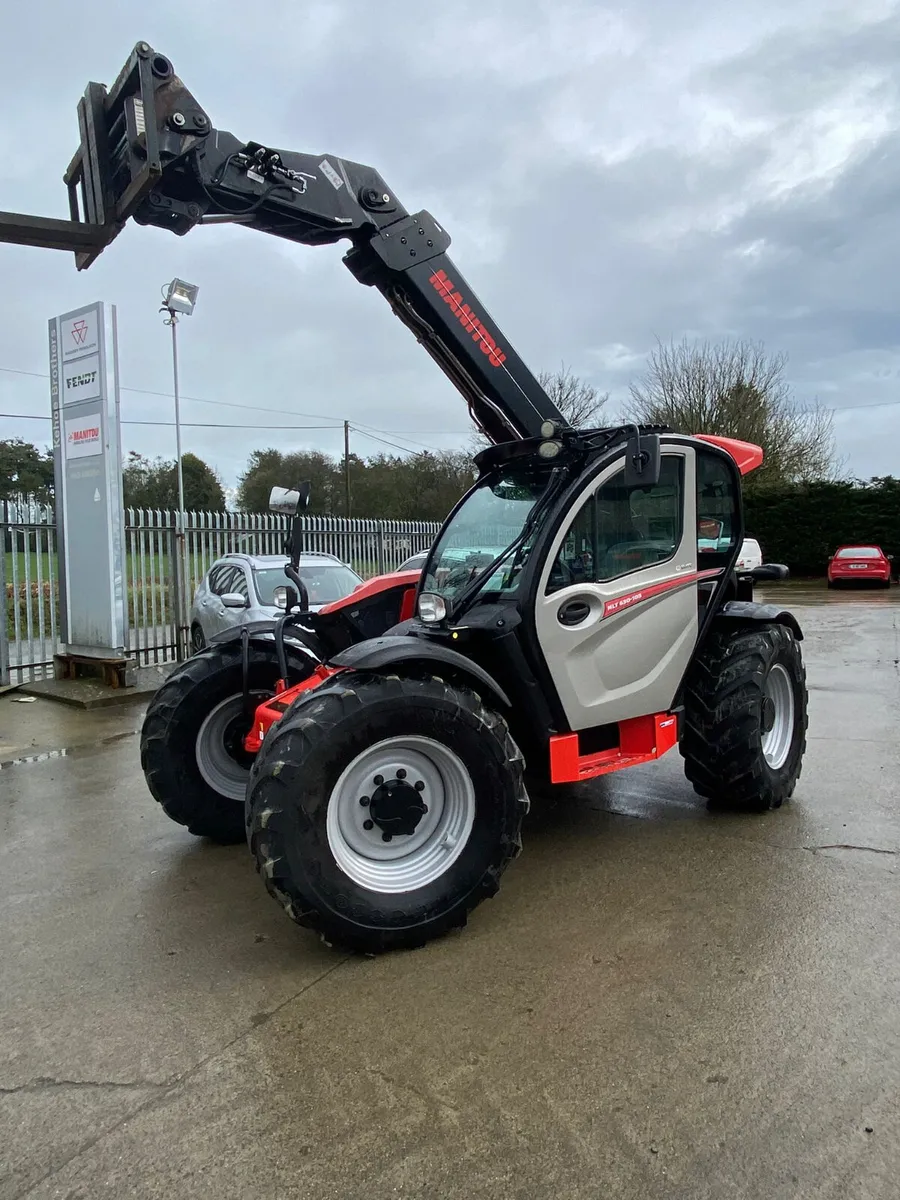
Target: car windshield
pixel 324 582
pixel 859 552
pixel 489 521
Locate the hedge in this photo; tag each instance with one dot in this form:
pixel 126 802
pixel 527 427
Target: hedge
pixel 802 525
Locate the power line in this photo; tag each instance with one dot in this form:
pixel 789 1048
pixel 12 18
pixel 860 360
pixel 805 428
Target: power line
pixel 385 442
pixel 247 407
pixel 188 424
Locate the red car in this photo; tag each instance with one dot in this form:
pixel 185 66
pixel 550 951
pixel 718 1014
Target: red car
pixel 859 564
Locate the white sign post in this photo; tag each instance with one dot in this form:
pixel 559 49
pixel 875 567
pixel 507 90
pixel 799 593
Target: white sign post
pixel 87 455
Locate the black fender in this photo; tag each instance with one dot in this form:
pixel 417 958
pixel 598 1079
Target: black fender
pixel 376 654
pixel 749 610
pixel 264 631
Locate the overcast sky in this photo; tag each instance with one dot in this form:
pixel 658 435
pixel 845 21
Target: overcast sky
pixel 609 174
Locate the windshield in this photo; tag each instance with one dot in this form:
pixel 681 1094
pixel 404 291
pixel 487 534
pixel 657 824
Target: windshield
pixel 859 552
pixel 490 520
pixel 324 582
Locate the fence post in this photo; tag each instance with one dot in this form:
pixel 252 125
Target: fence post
pixel 4 627
pixel 379 542
pixel 177 595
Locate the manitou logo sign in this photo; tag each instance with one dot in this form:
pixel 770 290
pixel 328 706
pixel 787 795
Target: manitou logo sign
pixel 83 437
pixel 441 282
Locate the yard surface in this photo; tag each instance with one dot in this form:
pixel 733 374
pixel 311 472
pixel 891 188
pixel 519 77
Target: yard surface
pixel 659 1003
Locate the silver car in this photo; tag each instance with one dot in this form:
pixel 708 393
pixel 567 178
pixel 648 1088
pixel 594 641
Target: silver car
pixel 239 588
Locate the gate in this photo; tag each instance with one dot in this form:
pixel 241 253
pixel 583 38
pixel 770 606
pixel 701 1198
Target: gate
pixel 30 635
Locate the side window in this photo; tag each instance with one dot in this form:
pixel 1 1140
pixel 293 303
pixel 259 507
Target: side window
pixel 620 530
pixel 239 583
pixel 716 508
pixel 221 579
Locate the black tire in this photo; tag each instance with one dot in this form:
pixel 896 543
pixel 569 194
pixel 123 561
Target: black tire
pixel 291 791
pixel 173 724
pixel 198 639
pixel 726 715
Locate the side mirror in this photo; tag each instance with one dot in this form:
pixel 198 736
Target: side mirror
pixel 290 501
pixel 709 529
pixel 235 600
pixel 772 572
pixel 642 459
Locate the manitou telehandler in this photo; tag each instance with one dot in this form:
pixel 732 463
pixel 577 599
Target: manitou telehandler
pixel 372 753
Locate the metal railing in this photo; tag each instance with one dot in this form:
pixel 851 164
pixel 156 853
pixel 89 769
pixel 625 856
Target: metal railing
pixel 30 635
pixel 30 587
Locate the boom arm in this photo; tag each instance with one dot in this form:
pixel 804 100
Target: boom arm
pixel 149 152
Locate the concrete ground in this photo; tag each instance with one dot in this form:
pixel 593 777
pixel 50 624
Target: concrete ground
pixel 659 1003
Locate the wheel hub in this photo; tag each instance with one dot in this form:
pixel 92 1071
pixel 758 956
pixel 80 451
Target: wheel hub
pixel 768 714
pixel 396 806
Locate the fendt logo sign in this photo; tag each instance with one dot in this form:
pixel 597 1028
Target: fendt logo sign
pixel 443 284
pixel 82 379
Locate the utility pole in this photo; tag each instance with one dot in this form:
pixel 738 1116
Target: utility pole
pixel 347 465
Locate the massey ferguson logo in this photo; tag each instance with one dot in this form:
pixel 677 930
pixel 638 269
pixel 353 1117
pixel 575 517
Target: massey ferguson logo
pixel 77 381
pixel 79 331
pixel 446 287
pixel 78 437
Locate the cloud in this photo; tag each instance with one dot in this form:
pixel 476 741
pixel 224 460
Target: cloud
pixel 609 175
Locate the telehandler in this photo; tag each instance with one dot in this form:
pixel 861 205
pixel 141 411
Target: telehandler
pixel 374 753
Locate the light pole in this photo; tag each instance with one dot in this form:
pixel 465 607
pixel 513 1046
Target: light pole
pixel 179 297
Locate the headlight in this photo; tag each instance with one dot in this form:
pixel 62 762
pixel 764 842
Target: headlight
pixel 279 596
pixel 432 608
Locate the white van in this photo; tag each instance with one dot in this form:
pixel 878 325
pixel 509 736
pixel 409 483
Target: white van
pixel 750 556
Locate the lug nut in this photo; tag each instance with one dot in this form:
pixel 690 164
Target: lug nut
pixel 424 810
pixel 379 780
pixel 420 786
pixel 401 774
pixel 386 837
pixel 364 801
pixel 368 824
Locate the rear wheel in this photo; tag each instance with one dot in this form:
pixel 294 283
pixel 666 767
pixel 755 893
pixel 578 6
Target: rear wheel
pixel 198 639
pixel 192 750
pixel 381 811
pixel 746 717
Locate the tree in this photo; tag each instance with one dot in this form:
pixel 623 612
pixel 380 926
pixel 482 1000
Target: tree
pixel 578 401
pixel 735 389
pixel 270 468
pixel 154 484
pixel 25 471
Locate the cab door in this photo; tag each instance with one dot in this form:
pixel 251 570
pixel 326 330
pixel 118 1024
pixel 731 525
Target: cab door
pixel 617 600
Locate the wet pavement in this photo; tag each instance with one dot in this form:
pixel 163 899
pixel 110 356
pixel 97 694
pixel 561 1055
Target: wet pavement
pixel 659 1003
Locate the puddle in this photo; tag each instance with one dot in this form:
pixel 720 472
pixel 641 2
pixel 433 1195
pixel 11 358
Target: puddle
pixel 65 751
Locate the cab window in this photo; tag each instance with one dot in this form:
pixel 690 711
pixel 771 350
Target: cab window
pixel 619 529
pixel 717 515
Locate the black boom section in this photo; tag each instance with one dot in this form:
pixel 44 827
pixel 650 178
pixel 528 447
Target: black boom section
pixel 150 153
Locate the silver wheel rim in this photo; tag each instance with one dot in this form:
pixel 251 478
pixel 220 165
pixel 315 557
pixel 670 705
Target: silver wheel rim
pixel 776 743
pixel 407 861
pixel 219 768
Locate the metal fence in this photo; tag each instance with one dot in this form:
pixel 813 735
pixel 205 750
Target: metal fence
pixel 29 577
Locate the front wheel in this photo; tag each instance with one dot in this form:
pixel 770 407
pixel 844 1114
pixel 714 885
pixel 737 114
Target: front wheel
pixel 192 739
pixel 746 717
pixel 381 811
